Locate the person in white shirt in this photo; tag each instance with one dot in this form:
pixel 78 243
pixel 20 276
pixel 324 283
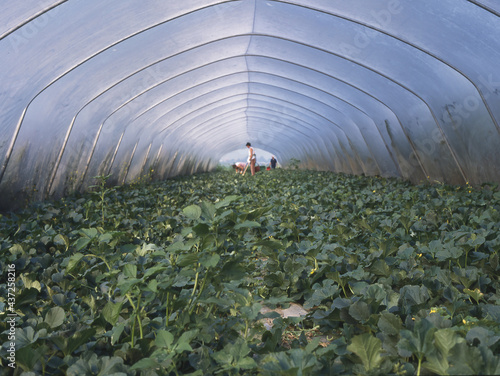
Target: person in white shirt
pixel 252 158
pixel 239 167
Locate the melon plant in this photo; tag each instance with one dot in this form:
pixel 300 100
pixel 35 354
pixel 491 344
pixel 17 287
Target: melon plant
pixel 189 276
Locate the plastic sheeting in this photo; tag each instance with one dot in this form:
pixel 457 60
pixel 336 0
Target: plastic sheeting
pixel 159 88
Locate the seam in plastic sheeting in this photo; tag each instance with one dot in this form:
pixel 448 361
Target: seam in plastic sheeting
pixel 485 7
pixel 32 18
pixel 59 156
pixel 12 143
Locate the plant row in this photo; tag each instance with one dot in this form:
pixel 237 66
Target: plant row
pixel 184 277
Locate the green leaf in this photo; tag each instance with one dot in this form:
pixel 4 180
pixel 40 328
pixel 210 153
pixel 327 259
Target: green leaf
pixel 183 343
pixel 105 238
pixel 201 229
pixel 444 340
pixel 192 212
pixel 380 268
pixel 111 312
pixel 236 355
pixel 30 283
pixel 187 259
pixel 73 261
pixel 183 278
pixel 127 284
pixel 475 240
pixel 389 323
pixel 484 336
pixel 492 311
pixel 153 270
pixel 246 363
pixel 25 337
pixel 376 293
pixel 328 291
pixel 89 232
pixel 226 201
pixel 293 267
pixel 16 249
pixel 27 357
pixel 358 274
pixel 62 240
pixel 313 345
pixel 26 297
pixel 250 312
pixel 179 246
pixel 208 210
pixel 270 244
pixel 152 286
pixel 418 342
pixel 164 339
pixel 465 360
pixel 257 213
pixel 71 344
pixel 116 332
pixel 360 311
pixel 247 224
pixel 145 364
pixel 233 270
pixel 494 261
pixel 368 349
pixel 276 279
pixel 130 270
pixel 55 317
pixel 209 261
pixel 474 294
pixel 103 366
pixel 128 248
pixel 490 361
pixel 80 338
pixel 145 249
pixel 81 243
pixel 411 296
pixel 291 363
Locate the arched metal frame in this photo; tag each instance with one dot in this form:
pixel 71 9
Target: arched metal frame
pixel 393 88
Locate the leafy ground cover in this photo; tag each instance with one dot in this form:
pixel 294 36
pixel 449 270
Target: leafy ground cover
pixel 172 278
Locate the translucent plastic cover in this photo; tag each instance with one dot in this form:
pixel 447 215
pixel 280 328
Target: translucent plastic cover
pixel 159 88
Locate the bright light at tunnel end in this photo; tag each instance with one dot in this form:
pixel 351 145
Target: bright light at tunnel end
pixel 263 157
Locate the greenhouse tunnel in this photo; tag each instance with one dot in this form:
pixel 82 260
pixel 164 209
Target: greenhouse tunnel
pixel 395 88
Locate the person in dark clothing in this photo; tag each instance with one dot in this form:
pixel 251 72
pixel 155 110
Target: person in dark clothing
pixel 273 162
